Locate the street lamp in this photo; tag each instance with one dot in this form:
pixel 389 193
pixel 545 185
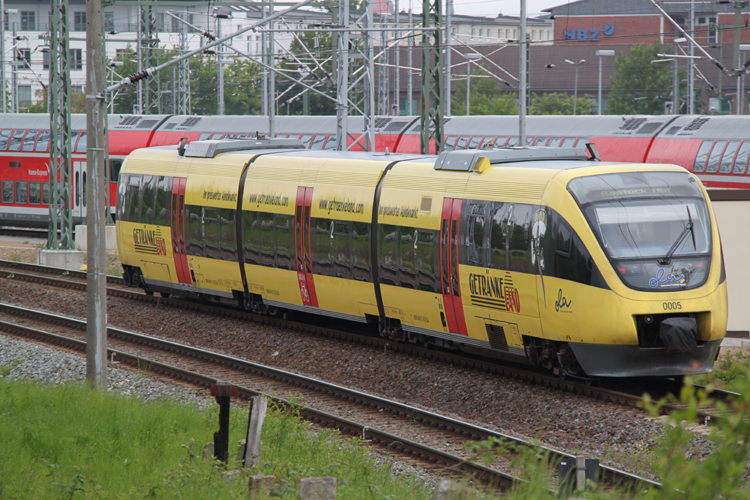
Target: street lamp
pixel 601 53
pixel 469 58
pixel 575 86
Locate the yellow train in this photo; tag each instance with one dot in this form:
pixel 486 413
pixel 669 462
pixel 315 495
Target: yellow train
pixel 542 256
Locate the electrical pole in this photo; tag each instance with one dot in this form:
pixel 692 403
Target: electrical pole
pixel 398 61
pixel 2 55
pixel 96 114
pixel 219 70
pixel 691 62
pixel 271 76
pixel 522 47
pixel 432 120
pixel 448 55
pixel 410 45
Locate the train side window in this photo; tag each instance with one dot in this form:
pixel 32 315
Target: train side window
pixel 725 167
pixel 83 174
pixel 450 142
pixel 699 165
pixel 581 142
pixel 474 233
pixel 30 140
pixel 342 252
pixel 306 138
pixel 230 136
pixel 250 234
pixel 540 141
pixel 427 260
pixel 194 230
pixel 512 141
pixel 571 262
pixel 45 193
pixel 361 252
pixel 82 141
pixel 554 142
pixel 321 242
pixel 217 135
pixel 22 192
pixel 284 241
pixel 16 140
pixel 42 142
pixel 35 192
pixel 520 256
pixel 8 196
pixel 227 234
pixel 74 139
pixel 146 199
pixel 122 193
pixel 211 233
pixel 474 142
pixel 331 142
pixel 204 136
pixel 568 142
pixel 4 138
pixel 713 159
pixel 131 203
pixel 317 143
pixel 740 160
pixel 461 142
pixel 388 254
pixel 500 141
pixel 406 256
pixel 500 225
pixel 564 240
pixel 163 201
pixel 267 247
pixel 114 170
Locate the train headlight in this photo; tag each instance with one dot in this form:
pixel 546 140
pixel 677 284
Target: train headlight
pixel 648 319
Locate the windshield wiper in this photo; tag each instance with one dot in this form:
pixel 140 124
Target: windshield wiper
pixel 678 242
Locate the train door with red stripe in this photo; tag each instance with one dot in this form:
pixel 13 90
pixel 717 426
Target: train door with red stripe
pixel 303 258
pixel 449 230
pixel 178 230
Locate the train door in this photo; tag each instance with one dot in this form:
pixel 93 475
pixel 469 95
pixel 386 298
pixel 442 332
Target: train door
pixel 178 230
pixel 78 205
pixel 454 310
pixel 303 258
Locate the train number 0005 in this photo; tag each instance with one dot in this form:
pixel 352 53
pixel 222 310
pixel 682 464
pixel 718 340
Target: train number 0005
pixel 671 306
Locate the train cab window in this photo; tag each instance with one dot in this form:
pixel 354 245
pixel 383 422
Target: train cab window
pixel 554 142
pixel 474 142
pixel 512 141
pixel 42 142
pixel 30 140
pixel 146 199
pixel 331 142
pixel 361 270
pixel 540 141
pixel 461 142
pixel 16 140
pixel 699 164
pixel 568 142
pixel 740 161
pixel 45 193
pixel 570 260
pixel 250 247
pixel 283 225
pixel 22 192
pixel 114 170
pixel 306 138
pixel 163 201
pixel 725 167
pixel 8 193
pixel 713 159
pixel 450 142
pixel 81 146
pixel 4 138
pixel 317 143
pixel 35 193
pixel 204 136
pixel 211 233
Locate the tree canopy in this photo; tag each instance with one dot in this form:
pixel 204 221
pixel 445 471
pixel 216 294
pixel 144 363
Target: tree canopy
pixel 559 104
pixel 488 96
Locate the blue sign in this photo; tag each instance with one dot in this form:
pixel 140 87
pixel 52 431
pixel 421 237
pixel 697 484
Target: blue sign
pixel 589 35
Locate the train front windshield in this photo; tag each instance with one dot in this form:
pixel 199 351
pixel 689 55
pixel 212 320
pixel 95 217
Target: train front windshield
pixel 654 227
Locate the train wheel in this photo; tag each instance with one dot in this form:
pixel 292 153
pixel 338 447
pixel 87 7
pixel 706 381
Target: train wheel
pixel 165 294
pixel 148 292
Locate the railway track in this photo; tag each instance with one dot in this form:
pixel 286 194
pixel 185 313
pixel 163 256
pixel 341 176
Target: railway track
pixel 428 439
pixel 628 393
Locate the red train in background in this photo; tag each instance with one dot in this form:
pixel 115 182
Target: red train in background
pixel 715 148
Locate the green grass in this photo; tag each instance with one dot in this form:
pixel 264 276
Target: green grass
pixel 733 367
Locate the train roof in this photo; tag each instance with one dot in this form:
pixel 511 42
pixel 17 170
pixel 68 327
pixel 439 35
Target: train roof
pixel 706 127
pixel 78 121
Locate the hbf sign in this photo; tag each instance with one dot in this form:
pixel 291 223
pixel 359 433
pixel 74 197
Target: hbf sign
pixel 589 35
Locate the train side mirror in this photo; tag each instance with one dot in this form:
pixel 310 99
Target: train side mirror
pixel 181 146
pixel 593 152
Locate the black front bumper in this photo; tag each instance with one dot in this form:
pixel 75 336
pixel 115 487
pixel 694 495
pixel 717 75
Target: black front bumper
pixel 632 361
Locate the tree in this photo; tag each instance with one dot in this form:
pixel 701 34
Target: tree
pixel 299 65
pixel 488 97
pixel 639 87
pixel 559 104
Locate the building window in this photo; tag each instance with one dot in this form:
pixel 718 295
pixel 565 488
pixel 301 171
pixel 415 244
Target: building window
pixel 533 34
pixel 109 21
pixel 79 21
pixel 514 34
pixel 473 32
pixel 76 59
pixel 507 34
pixel 45 59
pixel 549 35
pixel 481 32
pixel 25 56
pixel 28 20
pixel 24 96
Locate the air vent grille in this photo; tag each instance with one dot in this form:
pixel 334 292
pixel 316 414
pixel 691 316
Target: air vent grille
pixel 632 124
pixel 128 122
pixel 426 205
pixel 496 334
pixel 190 122
pixel 693 126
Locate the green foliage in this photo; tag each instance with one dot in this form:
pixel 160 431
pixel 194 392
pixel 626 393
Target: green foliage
pixel 721 474
pixel 5 370
pixel 729 369
pixel 304 50
pixel 488 96
pixel 559 104
pixel 639 87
